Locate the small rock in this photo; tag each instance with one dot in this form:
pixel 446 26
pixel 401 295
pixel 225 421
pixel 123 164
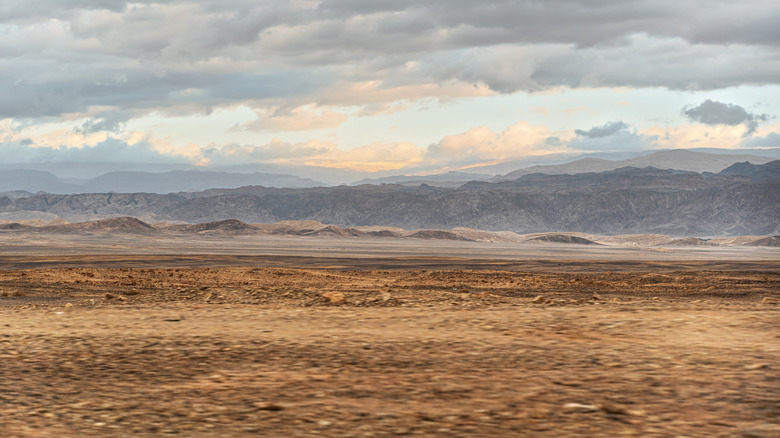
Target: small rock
pixel 68 305
pixel 539 299
pixel 614 410
pixel 265 406
pixel 324 423
pixel 579 408
pixel 335 297
pixel 756 366
pixel 595 296
pixel 109 296
pixel 770 300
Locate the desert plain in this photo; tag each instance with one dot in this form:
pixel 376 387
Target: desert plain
pixel 126 335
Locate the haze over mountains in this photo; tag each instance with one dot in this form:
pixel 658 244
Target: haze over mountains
pixel 149 182
pixel 187 180
pixel 742 199
pixel 676 159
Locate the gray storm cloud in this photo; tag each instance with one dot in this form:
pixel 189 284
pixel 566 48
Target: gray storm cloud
pixel 192 56
pixel 612 136
pixel 711 112
pixel 602 131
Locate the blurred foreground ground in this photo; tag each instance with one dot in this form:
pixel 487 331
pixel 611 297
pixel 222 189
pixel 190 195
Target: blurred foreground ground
pixel 201 352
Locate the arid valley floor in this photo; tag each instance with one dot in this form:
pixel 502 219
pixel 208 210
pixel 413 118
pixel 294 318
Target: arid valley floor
pixel 283 336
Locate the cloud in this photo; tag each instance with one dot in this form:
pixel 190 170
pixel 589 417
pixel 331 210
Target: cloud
pixel 111 150
pixel 190 57
pixel 274 151
pixel 770 140
pixel 112 121
pixel 481 143
pixel 370 158
pixel 717 113
pixel 612 136
pixel 302 118
pixel 696 136
pixel 602 131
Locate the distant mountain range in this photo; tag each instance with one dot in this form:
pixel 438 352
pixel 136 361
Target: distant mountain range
pixel 33 181
pixel 23 182
pixel 449 179
pixel 742 199
pixel 676 159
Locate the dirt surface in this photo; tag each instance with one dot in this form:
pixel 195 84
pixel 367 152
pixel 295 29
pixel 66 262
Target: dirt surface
pixel 43 245
pixel 269 351
pixel 148 261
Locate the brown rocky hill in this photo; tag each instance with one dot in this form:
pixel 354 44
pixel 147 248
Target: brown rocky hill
pixel 767 241
pixel 112 225
pixel 563 238
pixel 437 234
pixel 229 226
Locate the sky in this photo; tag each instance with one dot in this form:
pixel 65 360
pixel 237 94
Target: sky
pixel 382 86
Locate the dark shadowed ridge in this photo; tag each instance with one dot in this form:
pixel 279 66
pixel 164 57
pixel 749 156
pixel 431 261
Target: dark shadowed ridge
pixel 437 234
pixel 767 241
pixel 14 226
pixel 757 172
pixel 114 225
pixel 564 238
pixel 689 241
pixel 332 230
pixel 230 226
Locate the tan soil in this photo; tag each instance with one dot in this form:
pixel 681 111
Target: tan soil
pixel 268 351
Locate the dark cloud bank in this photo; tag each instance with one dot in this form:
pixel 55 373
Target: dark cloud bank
pixel 717 113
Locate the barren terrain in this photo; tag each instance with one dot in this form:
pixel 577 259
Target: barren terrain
pixel 139 340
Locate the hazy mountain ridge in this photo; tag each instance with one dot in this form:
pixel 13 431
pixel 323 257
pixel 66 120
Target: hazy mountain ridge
pixel 20 182
pixel 627 200
pixel 676 159
pixel 679 159
pixel 24 180
pixel 448 179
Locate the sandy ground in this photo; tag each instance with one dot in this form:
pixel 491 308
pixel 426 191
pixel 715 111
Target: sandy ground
pixel 20 243
pixel 562 349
